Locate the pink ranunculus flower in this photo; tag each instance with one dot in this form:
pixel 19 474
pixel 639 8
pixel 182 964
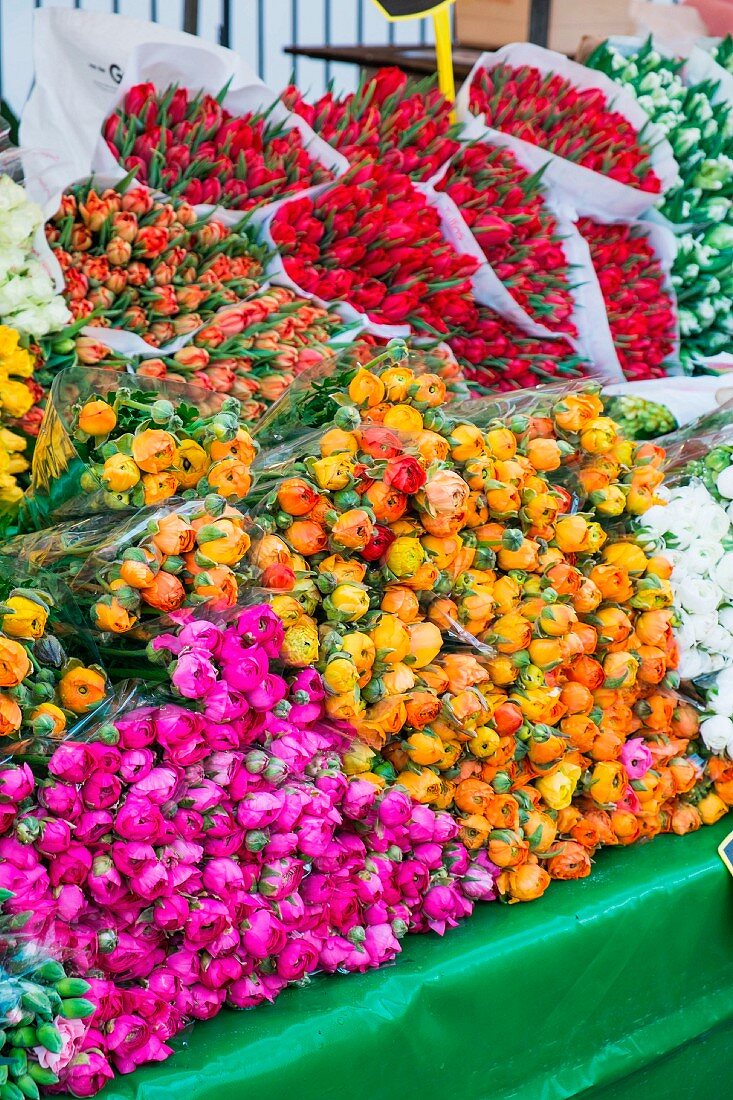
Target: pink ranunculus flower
pixel 193 675
pixel 72 1034
pixel 16 783
pixel 87 1073
pixel 636 758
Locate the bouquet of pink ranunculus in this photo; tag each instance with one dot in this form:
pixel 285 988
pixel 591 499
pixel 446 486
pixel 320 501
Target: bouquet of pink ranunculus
pixel 212 850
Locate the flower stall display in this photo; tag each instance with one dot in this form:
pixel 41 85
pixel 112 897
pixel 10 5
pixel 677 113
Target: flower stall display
pixel 106 446
pixel 404 125
pixel 699 126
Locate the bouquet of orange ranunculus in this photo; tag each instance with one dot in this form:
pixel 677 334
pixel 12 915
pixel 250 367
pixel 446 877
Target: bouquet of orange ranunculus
pixel 466 581
pixel 49 675
pixel 111 445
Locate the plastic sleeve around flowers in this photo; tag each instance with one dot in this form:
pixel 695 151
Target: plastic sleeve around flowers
pixel 315 396
pixel 58 468
pixel 695 440
pixel 590 192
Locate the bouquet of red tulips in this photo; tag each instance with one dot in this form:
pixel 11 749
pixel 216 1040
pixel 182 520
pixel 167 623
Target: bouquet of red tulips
pixel 395 266
pixel 191 146
pixel 632 262
pixel 403 126
pixel 506 209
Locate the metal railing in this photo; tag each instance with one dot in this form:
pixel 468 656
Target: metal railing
pixel 257 29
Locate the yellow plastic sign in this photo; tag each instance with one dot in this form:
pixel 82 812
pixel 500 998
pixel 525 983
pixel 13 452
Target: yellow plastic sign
pixel 396 10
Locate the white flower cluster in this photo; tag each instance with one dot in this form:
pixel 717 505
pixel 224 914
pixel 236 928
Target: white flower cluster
pixel 716 727
pixel 698 539
pixel 28 301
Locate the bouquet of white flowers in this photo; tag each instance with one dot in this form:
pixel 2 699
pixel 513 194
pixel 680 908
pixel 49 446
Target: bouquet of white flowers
pixel 698 123
pixel 28 298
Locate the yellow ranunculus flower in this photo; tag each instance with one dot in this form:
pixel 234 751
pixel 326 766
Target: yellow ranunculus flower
pixel 300 644
pixel 558 789
pixel 341 675
pixel 333 472
pixel 20 362
pixel 15 398
pixel 27 618
pixel 405 556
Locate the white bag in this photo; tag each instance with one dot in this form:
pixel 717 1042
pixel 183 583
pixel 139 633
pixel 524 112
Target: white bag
pixel 591 192
pixel 80 58
pixel 193 67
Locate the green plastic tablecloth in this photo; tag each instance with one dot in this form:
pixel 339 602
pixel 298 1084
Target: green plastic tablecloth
pixel 619 987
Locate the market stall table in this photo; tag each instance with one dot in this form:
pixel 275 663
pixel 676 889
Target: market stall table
pixel 618 987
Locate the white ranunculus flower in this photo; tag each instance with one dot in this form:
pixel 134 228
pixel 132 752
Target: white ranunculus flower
pixel 724 483
pixel 717 732
pixel 720 701
pixel 695 663
pixel 718 640
pixel 702 556
pixel 724 574
pixel 699 595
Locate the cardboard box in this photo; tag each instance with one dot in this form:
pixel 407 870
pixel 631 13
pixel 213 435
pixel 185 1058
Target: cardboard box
pixel 558 24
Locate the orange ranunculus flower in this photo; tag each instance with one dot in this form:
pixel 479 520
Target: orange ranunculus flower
pixel 401 601
pixel 571 533
pixel 81 688
pixel 424 578
pixel 613 581
pixel 608 743
pixel 216 584
pixel 463 671
pixel 627 555
pixel 397 381
pixel 574 411
pixel 154 450
pixel 467 441
pixel 608 782
pixel 544 454
pixel 424 748
pixel 159 487
pixel 511 633
pixel 424 786
pixel 426 642
pixel 477 510
pixel 653 627
pixel 477 472
pixel 389 714
pixel 109 615
pixel 422 708
pixel 626 826
pixel 190 464
pixel 523 554
pixel 594 478
pixel 431 447
pixel 525 883
pixel 14 663
pixel 306 537
pixel 272 550
pixel 174 535
pixel 507 593
pixel 11 716
pixel 138 573
pixel 504 502
pixel 391 639
pixel 501 443
pixel 541 511
pixel 711 808
pixel 587 671
pixel 546 653
pixel 119 473
pixel 472 796
pixel 659 566
pixel 501 669
pixel 613 625
pixel 577 698
pixel 610 501
pixel 620 669
pixel 685 819
pixel 241 447
pixel 556 619
pixel 474 831
pixel 586 832
pixel 360 648
pixel 51 713
pixel 564 578
pixel 388 504
pixel 426 389
pixel 601 822
pixel 97 418
pixel 684 774
pixel 366 389
pixel 295 496
pixel 545 748
pixel 230 478
pixel 580 730
pixel 598 436
pixel 467 709
pixel 587 598
pixel 336 441
pixel 353 529
pixel 403 418
pixel 539 705
pixel 444 551
pixel 657 711
pixel 507 848
pixel 166 593
pixel 484 743
pixel 342 569
pixel 653 667
pixel 444 493
pixel 540 830
pixel 571 861
pixel 502 812
pixel 228 544
pixel 581 639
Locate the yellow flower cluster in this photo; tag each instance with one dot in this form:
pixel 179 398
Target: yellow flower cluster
pixel 16 400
